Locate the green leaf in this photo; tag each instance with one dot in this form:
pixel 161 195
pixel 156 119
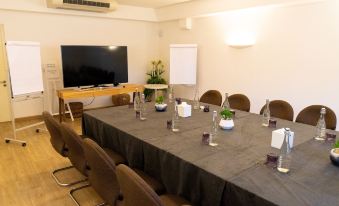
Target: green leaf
pixel 159 100
pixel 226 114
pixel 336 144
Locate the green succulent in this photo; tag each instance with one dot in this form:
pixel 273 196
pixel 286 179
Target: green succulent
pixel 159 100
pixel 336 144
pixel 226 114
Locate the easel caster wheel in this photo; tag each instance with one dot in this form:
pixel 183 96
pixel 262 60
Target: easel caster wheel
pixel 23 144
pixel 37 130
pixel 7 141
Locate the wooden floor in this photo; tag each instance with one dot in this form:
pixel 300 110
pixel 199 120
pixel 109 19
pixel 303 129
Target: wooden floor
pixel 25 172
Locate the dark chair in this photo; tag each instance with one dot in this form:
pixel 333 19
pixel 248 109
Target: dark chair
pixel 212 97
pixel 58 143
pixel 310 115
pixel 76 154
pixel 121 99
pixel 280 109
pixel 101 174
pixel 239 102
pixel 137 192
pixel 75 149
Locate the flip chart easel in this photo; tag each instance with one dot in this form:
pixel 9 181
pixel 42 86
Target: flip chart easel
pixel 26 79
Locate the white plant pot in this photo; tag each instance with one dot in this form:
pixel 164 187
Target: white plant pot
pixel 160 107
pixel 334 156
pixel 226 124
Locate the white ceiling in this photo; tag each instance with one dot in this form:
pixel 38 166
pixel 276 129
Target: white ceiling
pixel 151 3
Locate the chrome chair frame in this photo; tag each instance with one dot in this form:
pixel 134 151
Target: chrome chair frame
pixel 62 183
pixel 72 191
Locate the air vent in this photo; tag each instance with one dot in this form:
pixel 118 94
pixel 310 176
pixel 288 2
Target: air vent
pixel 97 6
pixel 87 3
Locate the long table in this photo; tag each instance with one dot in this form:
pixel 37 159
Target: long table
pixel 232 173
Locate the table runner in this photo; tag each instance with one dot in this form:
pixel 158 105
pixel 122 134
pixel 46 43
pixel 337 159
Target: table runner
pixel 204 175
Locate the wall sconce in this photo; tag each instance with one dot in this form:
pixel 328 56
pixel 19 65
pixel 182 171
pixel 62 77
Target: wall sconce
pixel 241 40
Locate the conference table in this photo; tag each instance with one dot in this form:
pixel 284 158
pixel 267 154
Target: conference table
pixel 233 172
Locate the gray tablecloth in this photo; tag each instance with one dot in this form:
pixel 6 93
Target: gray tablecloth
pixel 205 175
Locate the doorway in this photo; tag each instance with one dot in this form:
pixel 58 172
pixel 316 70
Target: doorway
pixel 4 83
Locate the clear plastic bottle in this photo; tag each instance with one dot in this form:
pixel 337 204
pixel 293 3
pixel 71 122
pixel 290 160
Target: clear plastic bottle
pixel 196 103
pixel 321 126
pixel 214 130
pixel 170 94
pixel 142 107
pixel 266 114
pixel 214 127
pixel 137 100
pixel 284 160
pixel 175 118
pixel 226 104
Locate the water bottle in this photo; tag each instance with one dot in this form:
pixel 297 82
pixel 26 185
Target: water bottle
pixel 226 104
pixel 170 95
pixel 137 100
pixel 175 118
pixel 266 114
pixel 214 127
pixel 321 126
pixel 196 103
pixel 284 160
pixel 142 107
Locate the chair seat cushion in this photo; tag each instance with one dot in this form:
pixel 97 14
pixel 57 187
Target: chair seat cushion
pixel 117 158
pixel 153 183
pixel 173 200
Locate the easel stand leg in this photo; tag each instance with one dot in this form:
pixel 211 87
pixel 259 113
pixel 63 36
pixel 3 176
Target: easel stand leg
pixel 15 130
pixel 14 139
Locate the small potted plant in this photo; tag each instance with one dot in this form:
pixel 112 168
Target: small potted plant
pixel 226 121
pixel 334 154
pixel 160 106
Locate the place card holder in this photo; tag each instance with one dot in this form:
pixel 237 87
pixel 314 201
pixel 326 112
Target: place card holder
pixel 206 108
pixel 205 138
pixel 137 114
pixel 169 124
pixel 271 160
pixel 330 137
pixel 272 123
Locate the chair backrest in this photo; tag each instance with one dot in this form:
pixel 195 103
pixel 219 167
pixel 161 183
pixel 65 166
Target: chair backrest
pixel 121 99
pixel 54 129
pixel 310 115
pixel 102 172
pixel 280 109
pixel 134 189
pixel 239 102
pixel 212 97
pixel 75 148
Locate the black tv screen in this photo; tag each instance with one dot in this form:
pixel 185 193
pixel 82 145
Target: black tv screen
pixel 94 65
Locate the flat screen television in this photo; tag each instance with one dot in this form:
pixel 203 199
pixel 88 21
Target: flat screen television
pixel 94 65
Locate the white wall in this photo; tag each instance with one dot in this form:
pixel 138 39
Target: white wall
pixel 208 7
pixel 53 30
pixel 295 57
